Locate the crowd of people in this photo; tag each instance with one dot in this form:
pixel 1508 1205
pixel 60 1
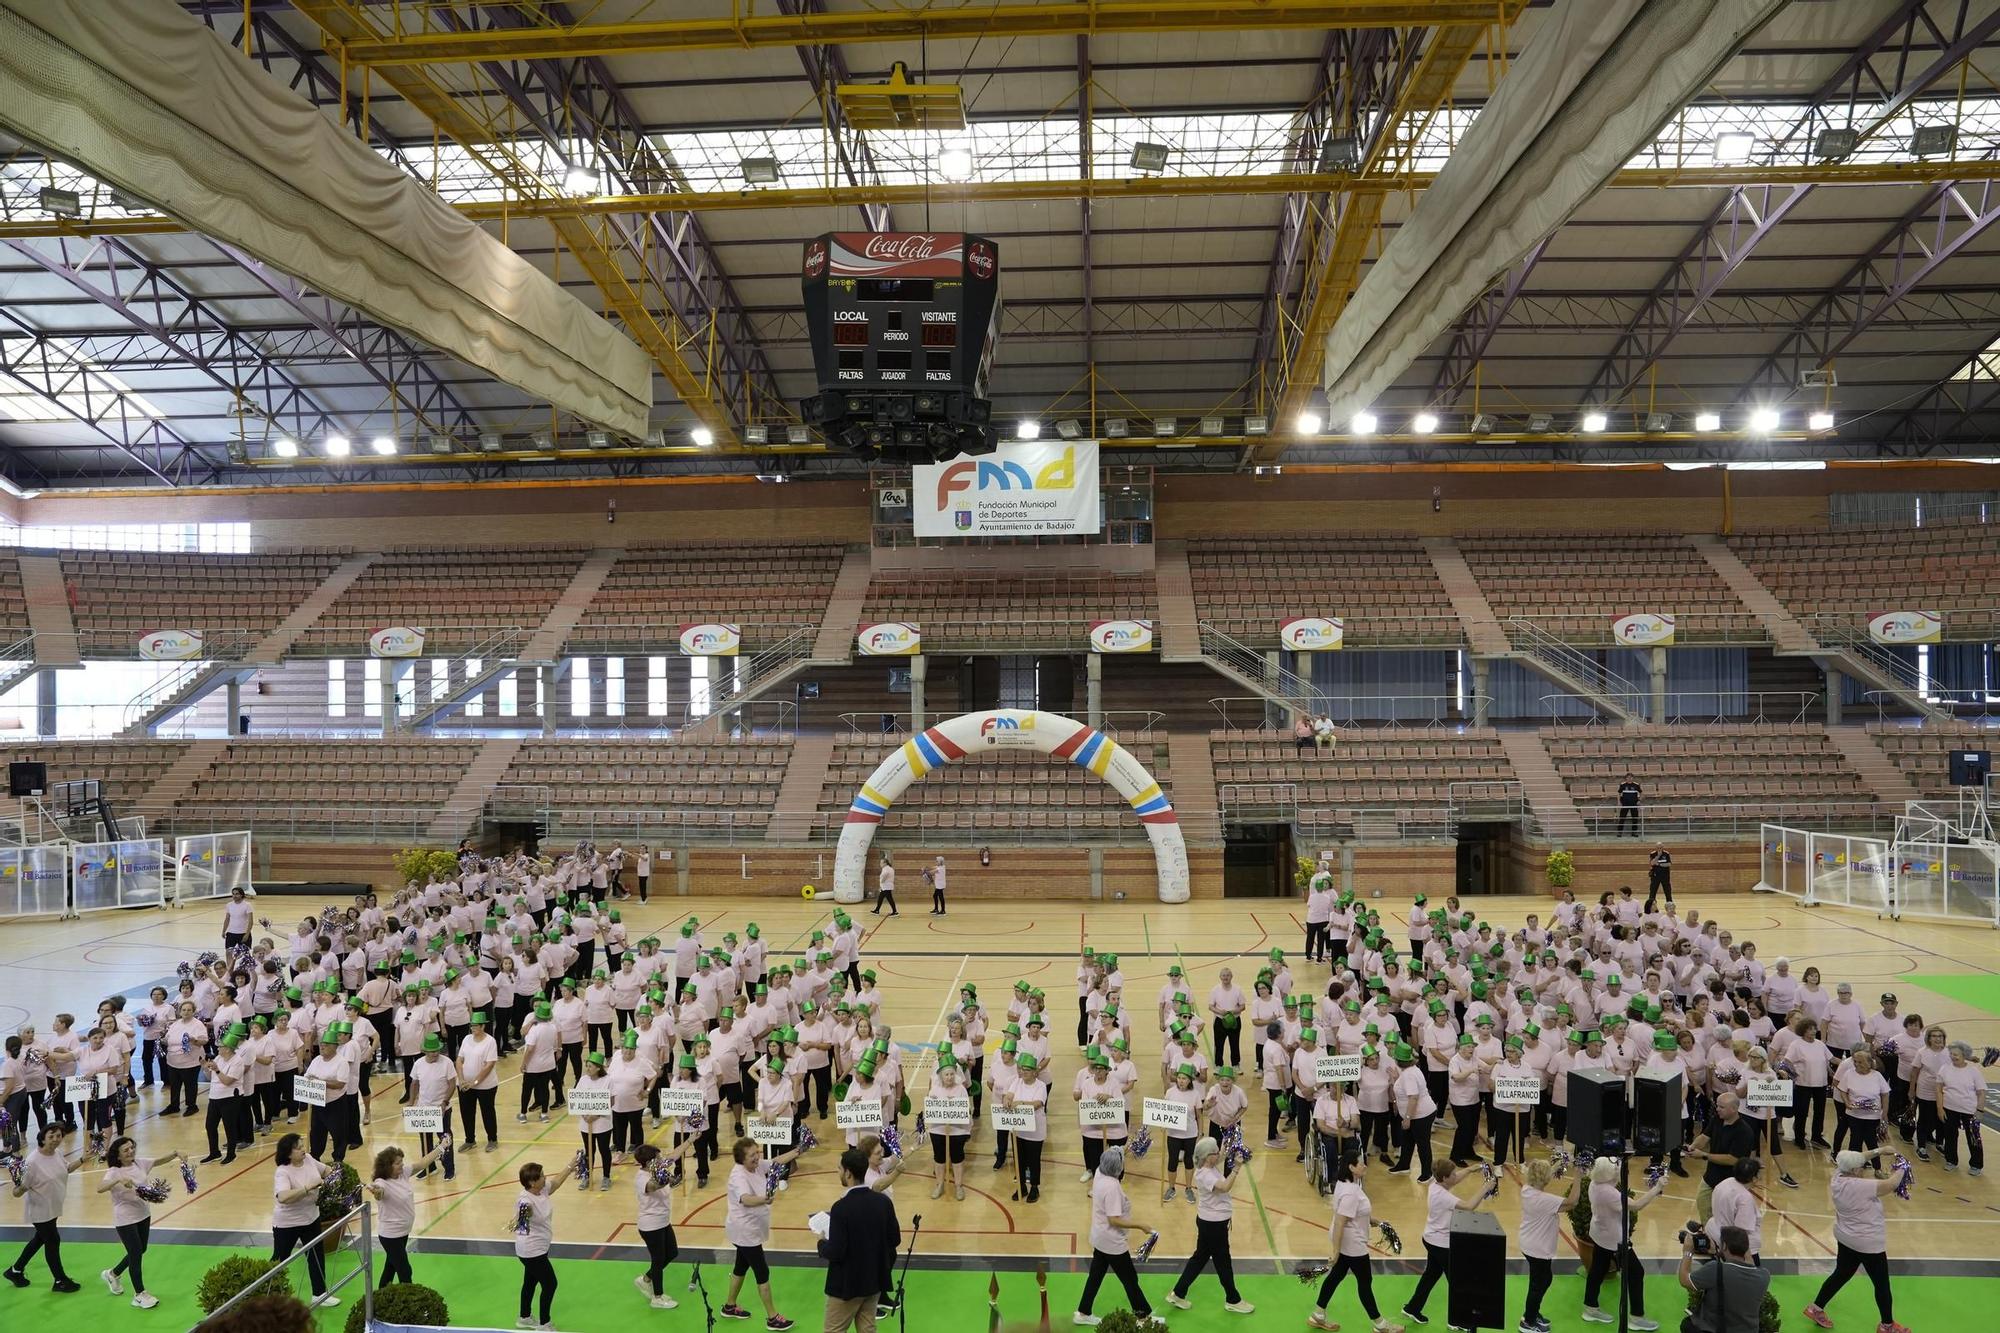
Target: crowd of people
pixel 1458 1037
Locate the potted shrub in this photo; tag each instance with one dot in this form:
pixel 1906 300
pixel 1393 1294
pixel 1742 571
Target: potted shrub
pixel 220 1284
pixel 1768 1318
pixel 1561 869
pixel 337 1197
pixel 403 1303
pixel 1579 1226
pixel 1124 1321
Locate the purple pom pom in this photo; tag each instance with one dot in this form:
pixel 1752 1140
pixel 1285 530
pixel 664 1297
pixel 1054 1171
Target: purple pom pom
pixel 187 1175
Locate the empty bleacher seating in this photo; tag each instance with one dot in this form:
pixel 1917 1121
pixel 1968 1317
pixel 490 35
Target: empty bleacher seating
pixel 971 610
pixel 116 596
pixel 1384 587
pixel 462 597
pixel 1367 768
pixel 1852 573
pixel 350 786
pixel 769 590
pixel 126 768
pixel 1924 753
pixel 13 602
pixel 1013 794
pixel 1576 584
pixel 692 788
pixel 1704 774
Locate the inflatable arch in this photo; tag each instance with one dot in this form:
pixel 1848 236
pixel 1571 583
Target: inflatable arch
pixel 1010 729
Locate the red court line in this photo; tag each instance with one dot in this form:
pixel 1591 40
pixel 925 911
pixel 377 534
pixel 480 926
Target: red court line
pixel 1080 936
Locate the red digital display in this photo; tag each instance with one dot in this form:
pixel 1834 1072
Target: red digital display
pixel 940 335
pixel 850 334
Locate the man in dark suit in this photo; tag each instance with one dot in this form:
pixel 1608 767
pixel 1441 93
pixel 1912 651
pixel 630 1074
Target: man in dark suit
pixel 859 1249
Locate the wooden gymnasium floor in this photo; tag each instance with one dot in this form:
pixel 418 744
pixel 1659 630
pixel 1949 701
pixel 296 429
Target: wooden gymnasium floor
pixel 47 967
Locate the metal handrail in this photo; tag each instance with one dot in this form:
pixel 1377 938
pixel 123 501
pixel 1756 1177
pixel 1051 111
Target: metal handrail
pixel 1114 722
pixel 1604 684
pixel 1958 703
pixel 350 638
pixel 365 1270
pixel 1729 814
pixel 1843 636
pixel 1333 704
pixel 1773 706
pixel 217 651
pixel 1292 689
pixel 1263 630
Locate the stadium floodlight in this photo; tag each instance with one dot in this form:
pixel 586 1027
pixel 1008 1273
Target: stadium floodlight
pixel 1733 149
pixel 581 181
pixel 1342 152
pixel 490 442
pixel 1424 423
pixel 598 439
pixel 1483 424
pixel 443 444
pixel 1821 420
pixel 543 439
pixel 285 447
pixel 1363 423
pixel 1068 429
pixel 702 437
pixel 760 170
pixel 798 435
pixel 1165 428
pixel 1116 428
pixel 1833 144
pixel 337 446
pixel 63 203
pixel 1707 421
pixel 383 445
pixel 1764 420
pixel 1256 425
pixel 1028 429
pixel 1934 141
pixel 1540 423
pixel 955 164
pixel 1150 156
pixel 757 434
pixel 1309 423
pixel 1657 422
pixel 1211 426
pixel 1594 422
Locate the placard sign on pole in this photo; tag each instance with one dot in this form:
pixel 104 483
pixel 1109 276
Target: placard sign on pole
pixel 1174 1117
pixel 770 1133
pixel 86 1087
pixel 1774 1092
pixel 590 1101
pixel 423 1120
pixel 1014 1119
pixel 1092 1114
pixel 1517 1089
pixel 947 1111
pixel 1337 1069
pixel 679 1103
pixel 859 1115
pixel 308 1091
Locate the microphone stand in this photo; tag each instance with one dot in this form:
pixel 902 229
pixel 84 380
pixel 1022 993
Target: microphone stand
pixel 696 1284
pixel 902 1311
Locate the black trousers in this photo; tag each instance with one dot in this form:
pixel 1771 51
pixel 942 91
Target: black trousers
pixel 1211 1243
pixel 1315 941
pixel 1364 1283
pixel 1541 1272
pixel 1844 1264
pixel 890 899
pixel 1437 1259
pixel 1417 1141
pixel 134 1236
pixel 1628 815
pixel 660 1251
pixel 395 1259
pixel 1466 1134
pixel 1232 1038
pixel 1804 1099
pixel 1121 1266
pixel 1954 1122
pixel 286 1239
pixel 481 1100
pixel 1028 1159
pixel 1602 1261
pixel 538 1274
pixel 47 1241
pixel 937 901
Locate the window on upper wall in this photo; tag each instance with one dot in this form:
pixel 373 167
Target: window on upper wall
pixel 336 688
pixel 614 687
pixel 656 687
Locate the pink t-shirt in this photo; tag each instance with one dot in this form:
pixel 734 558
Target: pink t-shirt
pixel 746 1224
pixel 1864 1093
pixel 1351 1233
pixel 1857 1214
pixel 1539 1213
pixel 1107 1200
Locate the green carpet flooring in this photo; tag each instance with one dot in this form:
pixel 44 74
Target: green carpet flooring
pixel 1978 989
pixel 597 1295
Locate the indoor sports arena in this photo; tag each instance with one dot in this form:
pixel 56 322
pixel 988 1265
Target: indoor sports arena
pixel 1409 588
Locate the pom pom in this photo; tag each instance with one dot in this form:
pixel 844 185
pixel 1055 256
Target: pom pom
pixel 1145 1250
pixel 1142 1142
pixel 1390 1238
pixel 1234 1151
pixel 1905 1173
pixel 523 1219
pixel 1307 1274
pixel 1655 1174
pixel 892 1141
pixel 146 1019
pixel 1990 1058
pixel 12 1164
pixel 807 1139
pixel 154 1191
pixel 187 1174
pixel 580 1167
pixel 698 1122
pixel 921 1131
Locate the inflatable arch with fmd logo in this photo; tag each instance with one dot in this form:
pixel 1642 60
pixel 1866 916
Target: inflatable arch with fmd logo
pixel 1010 729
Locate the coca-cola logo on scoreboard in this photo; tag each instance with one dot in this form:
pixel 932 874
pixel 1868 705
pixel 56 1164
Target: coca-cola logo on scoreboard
pixel 898 254
pixel 980 260
pixel 815 258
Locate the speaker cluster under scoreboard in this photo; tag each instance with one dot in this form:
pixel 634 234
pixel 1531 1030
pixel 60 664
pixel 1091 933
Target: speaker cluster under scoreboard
pixel 903 328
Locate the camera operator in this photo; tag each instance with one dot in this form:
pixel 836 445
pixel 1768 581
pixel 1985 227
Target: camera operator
pixel 1730 1289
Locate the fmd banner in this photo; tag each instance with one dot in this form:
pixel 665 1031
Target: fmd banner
pixel 1027 489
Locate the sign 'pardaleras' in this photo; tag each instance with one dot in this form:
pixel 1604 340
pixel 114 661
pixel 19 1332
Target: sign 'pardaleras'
pixel 971 735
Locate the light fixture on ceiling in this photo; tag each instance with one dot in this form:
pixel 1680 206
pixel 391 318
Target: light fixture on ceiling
pixel 798 435
pixel 1028 429
pixel 130 202
pixel 1342 152
pixel 702 437
pixel 1707 421
pixel 955 164
pixel 1256 425
pixel 1165 428
pixel 1593 423
pixel 1150 156
pixel 760 170
pixel 1835 143
pixel 581 181
pixel 443 444
pixel 63 203
pixel 1540 423
pixel 1309 423
pixel 1424 423
pixel 285 447
pixel 490 442
pixel 1068 429
pixel 598 439
pixel 238 452
pixel 1211 426
pixel 1764 420
pixel 543 439
pixel 757 434
pixel 1268 470
pixel 1732 149
pixel 1363 423
pixel 1116 428
pixel 1483 424
pixel 383 445
pixel 1659 422
pixel 1820 420
pixel 1934 141
pixel 337 446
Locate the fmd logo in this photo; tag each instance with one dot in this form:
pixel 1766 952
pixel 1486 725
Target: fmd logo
pixel 710 640
pixel 889 639
pixel 1057 475
pixel 999 723
pixel 1121 636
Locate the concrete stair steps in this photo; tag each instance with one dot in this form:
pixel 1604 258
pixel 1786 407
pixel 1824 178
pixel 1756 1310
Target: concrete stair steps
pixel 48 611
pixel 462 808
pixel 798 794
pixel 1542 786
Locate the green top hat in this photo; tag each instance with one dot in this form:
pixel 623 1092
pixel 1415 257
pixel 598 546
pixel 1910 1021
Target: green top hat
pixel 433 1042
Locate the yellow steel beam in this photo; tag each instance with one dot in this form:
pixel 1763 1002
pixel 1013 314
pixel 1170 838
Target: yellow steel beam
pixel 589 239
pixel 1429 86
pixel 1139 187
pixel 743 30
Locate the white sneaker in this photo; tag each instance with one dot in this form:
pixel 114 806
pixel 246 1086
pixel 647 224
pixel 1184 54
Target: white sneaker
pixel 643 1287
pixel 145 1300
pixel 1638 1324
pixel 525 1323
pixel 1239 1307
pixel 665 1303
pixel 1593 1315
pixel 1085 1178
pixel 1179 1302
pixel 1086 1320
pixel 111 1281
pixel 327 1302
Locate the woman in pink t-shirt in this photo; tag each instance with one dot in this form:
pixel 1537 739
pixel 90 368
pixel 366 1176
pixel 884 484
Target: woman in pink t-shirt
pixel 1812 1067
pixel 1353 1218
pixel 1860 1236
pixel 1541 1209
pixel 1110 1239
